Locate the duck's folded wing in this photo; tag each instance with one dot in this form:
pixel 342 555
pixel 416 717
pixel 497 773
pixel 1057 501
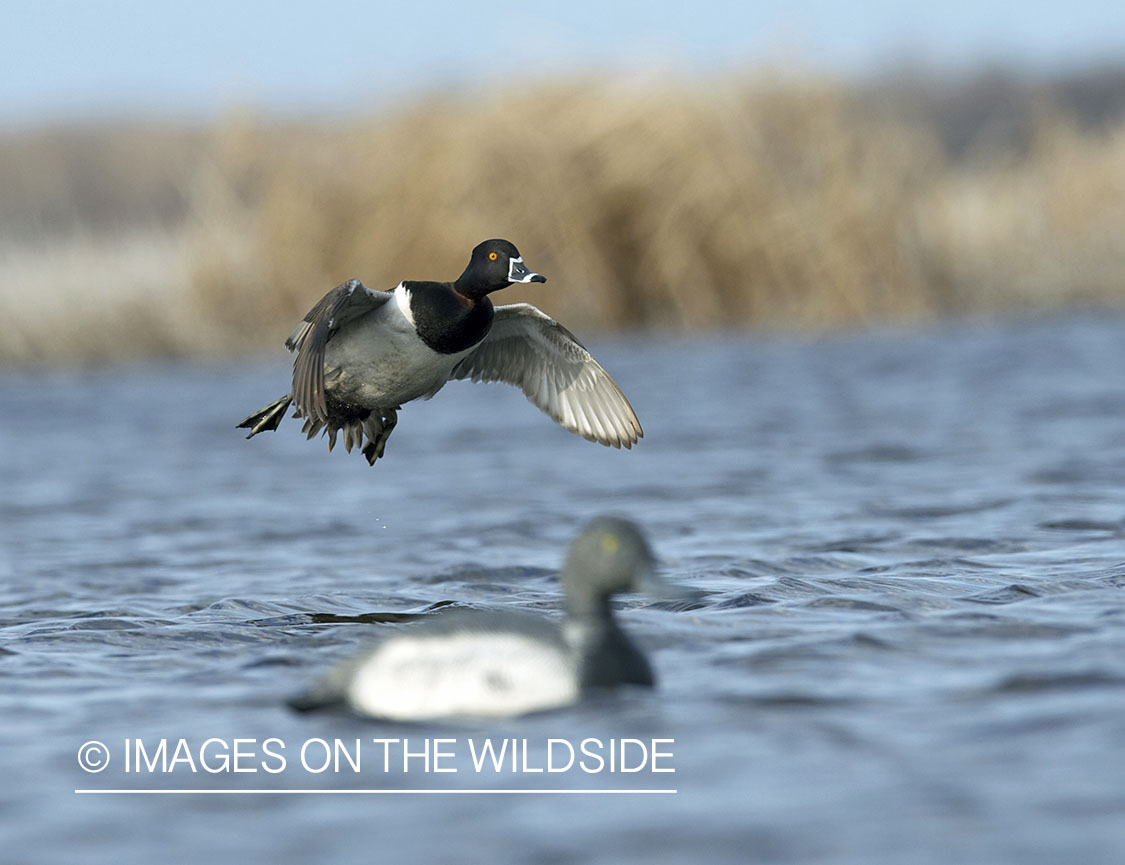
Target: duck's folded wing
pixel 342 304
pixel 532 351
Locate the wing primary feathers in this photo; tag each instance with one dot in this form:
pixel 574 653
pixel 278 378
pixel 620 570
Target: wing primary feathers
pixel 532 351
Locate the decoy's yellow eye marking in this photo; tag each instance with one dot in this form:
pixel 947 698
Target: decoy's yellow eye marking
pixel 610 544
pixel 492 256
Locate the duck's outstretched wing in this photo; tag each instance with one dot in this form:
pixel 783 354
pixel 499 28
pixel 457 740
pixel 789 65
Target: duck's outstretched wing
pixel 344 303
pixel 532 351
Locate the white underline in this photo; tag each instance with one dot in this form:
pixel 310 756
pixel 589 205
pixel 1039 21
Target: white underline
pixel 382 791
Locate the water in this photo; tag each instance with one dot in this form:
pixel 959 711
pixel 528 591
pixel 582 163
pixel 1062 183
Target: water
pixel 912 648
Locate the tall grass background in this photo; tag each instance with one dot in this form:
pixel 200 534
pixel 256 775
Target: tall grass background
pixel 756 202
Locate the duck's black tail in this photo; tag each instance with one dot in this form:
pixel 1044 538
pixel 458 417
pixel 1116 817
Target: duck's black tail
pixel 315 700
pixel 267 418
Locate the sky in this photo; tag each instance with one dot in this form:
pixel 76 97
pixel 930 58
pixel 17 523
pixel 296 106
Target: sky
pixel 62 60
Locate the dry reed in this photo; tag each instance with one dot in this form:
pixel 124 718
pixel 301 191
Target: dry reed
pixel 753 203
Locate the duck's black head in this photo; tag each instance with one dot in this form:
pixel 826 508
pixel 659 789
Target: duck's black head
pixel 612 556
pixel 495 264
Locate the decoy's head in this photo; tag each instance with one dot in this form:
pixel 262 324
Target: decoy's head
pixel 495 264
pixel 612 556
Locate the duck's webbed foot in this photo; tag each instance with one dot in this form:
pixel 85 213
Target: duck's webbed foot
pixel 376 426
pixel 267 418
pixel 378 429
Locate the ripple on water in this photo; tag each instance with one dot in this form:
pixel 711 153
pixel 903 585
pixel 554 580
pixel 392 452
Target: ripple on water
pixel 909 638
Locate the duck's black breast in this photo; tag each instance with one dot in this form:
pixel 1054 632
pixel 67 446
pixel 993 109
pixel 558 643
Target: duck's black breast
pixel 446 321
pixel 608 658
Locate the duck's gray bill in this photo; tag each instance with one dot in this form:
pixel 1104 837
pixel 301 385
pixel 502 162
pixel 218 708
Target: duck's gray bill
pixel 658 588
pixel 518 272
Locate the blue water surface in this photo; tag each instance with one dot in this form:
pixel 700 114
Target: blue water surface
pixel 911 648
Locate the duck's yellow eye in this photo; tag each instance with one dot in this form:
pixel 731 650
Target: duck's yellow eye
pixel 492 256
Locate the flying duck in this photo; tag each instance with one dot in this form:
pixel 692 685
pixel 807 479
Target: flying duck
pixel 478 664
pixel 363 353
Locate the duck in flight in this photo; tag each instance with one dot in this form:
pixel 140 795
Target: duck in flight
pixel 363 353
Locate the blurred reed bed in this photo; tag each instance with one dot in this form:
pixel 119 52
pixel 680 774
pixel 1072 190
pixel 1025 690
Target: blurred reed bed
pixel 647 203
